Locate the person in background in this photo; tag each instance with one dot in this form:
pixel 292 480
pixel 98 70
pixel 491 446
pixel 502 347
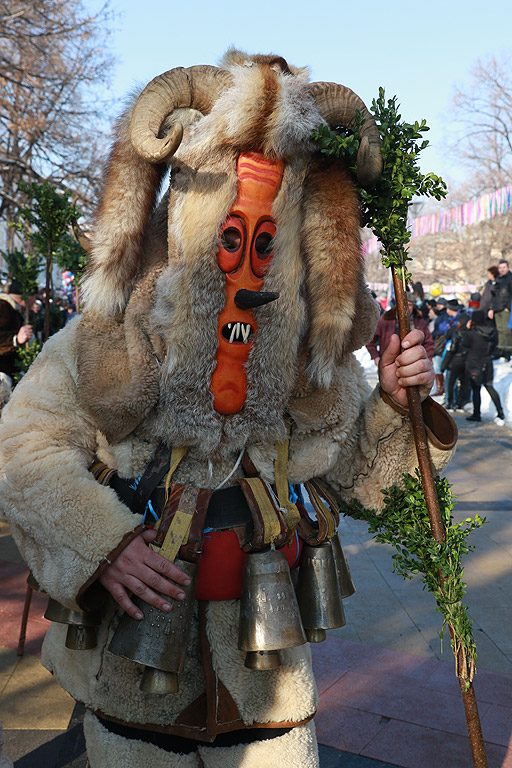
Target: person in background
pixel 474 302
pixel 500 309
pixel 419 299
pixel 388 325
pixel 447 312
pixel 480 339
pixel 13 330
pixel 486 293
pixel 454 362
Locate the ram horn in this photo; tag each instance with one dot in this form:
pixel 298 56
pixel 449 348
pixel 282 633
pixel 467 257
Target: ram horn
pixel 338 104
pixel 196 88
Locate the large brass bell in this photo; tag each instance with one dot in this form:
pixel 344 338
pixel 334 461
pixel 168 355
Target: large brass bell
pixel 345 582
pixel 159 641
pixel 82 634
pixel 318 593
pixel 269 614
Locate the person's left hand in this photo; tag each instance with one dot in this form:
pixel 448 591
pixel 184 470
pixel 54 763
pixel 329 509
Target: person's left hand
pixel 398 370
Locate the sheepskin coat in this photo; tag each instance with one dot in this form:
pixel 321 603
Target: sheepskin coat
pixel 67 525
pixel 136 369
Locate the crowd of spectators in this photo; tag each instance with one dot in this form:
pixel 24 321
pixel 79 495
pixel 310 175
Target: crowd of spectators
pixel 462 338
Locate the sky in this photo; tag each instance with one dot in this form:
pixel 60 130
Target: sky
pixel 419 51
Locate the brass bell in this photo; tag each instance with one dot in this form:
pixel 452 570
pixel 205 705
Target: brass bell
pixel 345 581
pixel 82 632
pixel 159 641
pixel 318 593
pixel 269 614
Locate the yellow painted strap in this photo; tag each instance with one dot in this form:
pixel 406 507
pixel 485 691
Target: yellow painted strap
pixel 281 476
pixel 179 528
pixel 176 535
pixel 322 509
pixel 271 524
pixel 332 504
pixel 177 454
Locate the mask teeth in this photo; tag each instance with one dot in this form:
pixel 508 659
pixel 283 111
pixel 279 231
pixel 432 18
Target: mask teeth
pixel 239 332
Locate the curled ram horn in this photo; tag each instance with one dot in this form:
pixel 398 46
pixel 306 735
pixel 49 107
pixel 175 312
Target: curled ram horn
pixel 195 87
pixel 338 105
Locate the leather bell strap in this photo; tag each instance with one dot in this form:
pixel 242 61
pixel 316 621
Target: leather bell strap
pixel 292 514
pixel 327 514
pixel 181 525
pixel 269 526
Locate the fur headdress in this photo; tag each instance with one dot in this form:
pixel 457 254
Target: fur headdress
pixel 199 120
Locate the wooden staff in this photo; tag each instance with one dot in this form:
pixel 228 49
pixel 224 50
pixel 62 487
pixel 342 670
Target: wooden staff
pixel 476 739
pixel 24 620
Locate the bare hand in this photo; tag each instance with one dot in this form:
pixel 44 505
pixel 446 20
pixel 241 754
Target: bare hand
pixel 411 367
pixel 145 573
pixel 25 333
pixel 490 314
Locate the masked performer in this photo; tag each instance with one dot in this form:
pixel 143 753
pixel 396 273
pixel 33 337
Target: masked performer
pixel 210 383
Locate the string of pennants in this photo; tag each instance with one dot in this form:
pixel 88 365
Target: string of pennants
pixel 472 212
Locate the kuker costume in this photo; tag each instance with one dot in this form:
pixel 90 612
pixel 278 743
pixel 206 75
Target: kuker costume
pixel 213 361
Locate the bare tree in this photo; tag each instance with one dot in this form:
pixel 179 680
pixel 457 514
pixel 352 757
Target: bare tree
pixel 53 58
pixel 483 119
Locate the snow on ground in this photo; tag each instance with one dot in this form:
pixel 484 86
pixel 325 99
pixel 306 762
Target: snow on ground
pixel 502 384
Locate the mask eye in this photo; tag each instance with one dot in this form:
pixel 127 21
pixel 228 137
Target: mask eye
pixel 231 245
pixel 262 249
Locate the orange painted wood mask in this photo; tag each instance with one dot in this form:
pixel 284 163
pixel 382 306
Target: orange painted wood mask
pixel 244 255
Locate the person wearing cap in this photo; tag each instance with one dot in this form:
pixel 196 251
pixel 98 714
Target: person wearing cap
pixel 438 334
pixel 13 330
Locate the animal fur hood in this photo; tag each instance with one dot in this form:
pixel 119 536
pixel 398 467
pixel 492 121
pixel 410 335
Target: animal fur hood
pixel 154 290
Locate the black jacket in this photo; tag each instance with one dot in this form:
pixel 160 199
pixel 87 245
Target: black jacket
pixel 502 292
pixel 10 322
pixel 480 341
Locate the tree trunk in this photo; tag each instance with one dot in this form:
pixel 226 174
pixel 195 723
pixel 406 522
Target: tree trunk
pixel 47 291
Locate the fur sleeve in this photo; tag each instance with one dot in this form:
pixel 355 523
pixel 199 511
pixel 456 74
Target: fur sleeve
pixel 383 452
pixel 64 523
pixel 355 440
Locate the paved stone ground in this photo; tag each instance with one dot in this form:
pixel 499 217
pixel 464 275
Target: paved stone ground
pixel 388 693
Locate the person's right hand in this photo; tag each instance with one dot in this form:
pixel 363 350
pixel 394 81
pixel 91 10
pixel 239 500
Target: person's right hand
pixel 145 573
pixel 490 314
pixel 24 334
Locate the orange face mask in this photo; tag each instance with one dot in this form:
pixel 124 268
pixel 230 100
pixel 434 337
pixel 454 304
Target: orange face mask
pixel 244 255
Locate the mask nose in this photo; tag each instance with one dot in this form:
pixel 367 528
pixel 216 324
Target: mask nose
pixel 246 299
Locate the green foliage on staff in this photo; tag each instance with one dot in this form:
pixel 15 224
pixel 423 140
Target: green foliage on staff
pixel 404 523
pixel 385 204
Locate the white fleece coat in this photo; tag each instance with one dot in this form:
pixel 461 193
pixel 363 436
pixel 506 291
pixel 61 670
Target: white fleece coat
pixel 66 524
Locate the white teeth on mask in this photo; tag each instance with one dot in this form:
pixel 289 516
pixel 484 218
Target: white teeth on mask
pixel 239 332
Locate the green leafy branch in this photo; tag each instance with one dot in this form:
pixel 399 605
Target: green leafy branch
pixel 404 523
pixel 385 205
